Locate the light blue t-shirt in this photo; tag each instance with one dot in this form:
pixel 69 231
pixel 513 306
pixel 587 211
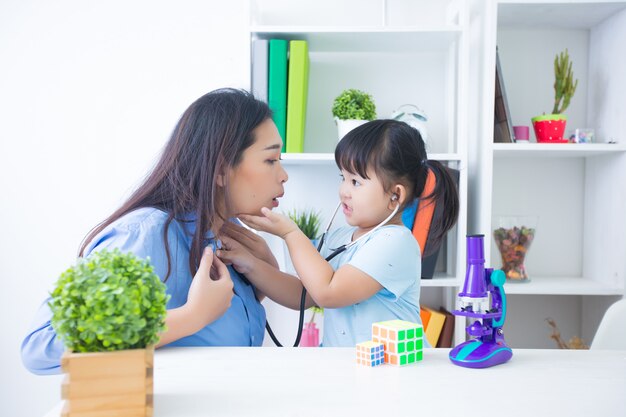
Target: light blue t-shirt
pixel 141 232
pixel 391 256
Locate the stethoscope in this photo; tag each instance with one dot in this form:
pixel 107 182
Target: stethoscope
pixel 334 253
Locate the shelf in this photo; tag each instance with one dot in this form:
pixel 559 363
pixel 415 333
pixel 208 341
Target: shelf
pixel 555 150
pixel 561 286
pixel 440 280
pixel 557 14
pixel 364 39
pixel 329 158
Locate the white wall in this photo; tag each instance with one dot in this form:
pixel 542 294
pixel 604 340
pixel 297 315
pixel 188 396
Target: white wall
pixel 607 86
pixel 90 92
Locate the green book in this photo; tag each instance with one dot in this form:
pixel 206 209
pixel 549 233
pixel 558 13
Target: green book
pixel 277 85
pixel 297 92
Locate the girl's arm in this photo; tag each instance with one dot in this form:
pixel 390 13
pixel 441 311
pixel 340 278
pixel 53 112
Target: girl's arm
pixel 346 286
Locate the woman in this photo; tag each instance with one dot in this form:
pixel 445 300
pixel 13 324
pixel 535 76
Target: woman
pixel 222 159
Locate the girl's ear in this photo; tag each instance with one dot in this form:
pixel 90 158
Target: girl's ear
pixel 398 195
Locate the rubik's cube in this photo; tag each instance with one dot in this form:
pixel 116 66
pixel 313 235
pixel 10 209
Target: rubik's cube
pixel 403 341
pixel 370 353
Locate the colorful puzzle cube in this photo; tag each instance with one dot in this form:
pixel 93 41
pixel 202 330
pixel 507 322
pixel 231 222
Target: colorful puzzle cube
pixel 403 341
pixel 370 353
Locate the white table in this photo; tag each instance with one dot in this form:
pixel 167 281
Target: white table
pixel 327 382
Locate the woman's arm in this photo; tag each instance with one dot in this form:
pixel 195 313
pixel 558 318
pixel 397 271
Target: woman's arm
pixel 209 297
pixel 41 349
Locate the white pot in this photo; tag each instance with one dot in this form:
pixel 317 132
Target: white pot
pixel 344 126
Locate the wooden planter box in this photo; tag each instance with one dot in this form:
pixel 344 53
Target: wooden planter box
pixel 115 384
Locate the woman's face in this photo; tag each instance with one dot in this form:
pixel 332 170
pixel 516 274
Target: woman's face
pixel 258 179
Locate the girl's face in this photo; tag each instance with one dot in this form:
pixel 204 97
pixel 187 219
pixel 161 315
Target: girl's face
pixel 364 201
pixel 258 179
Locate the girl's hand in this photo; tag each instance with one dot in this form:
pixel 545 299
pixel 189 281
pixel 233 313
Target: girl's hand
pixel 211 291
pixel 274 223
pixel 234 235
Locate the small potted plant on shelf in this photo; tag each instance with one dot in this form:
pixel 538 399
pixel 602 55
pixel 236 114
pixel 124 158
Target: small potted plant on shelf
pixel 310 333
pixel 108 310
pixel 549 128
pixel 309 223
pixel 352 108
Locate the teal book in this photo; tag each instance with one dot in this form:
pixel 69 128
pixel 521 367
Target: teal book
pixel 277 85
pixel 297 92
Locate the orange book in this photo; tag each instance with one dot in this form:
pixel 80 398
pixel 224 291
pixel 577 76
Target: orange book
pixel 435 325
pixel 425 211
pixel 447 333
pixel 425 316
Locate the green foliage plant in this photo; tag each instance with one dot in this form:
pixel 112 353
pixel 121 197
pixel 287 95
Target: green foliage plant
pixel 307 221
pixel 564 84
pixel 354 105
pixel 107 302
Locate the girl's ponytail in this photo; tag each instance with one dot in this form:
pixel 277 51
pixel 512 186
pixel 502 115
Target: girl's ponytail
pixel 445 195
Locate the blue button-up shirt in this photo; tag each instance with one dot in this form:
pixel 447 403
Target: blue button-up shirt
pixel 141 232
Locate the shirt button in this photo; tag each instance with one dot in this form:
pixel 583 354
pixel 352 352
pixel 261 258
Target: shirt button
pixel 253 338
pixel 343 332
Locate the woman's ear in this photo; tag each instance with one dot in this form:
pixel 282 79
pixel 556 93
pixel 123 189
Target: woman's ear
pixel 219 180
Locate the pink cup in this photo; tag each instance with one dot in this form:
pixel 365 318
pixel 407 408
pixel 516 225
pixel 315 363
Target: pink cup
pixel 521 132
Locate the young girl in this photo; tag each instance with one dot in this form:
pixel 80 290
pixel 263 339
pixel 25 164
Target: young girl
pixel 383 167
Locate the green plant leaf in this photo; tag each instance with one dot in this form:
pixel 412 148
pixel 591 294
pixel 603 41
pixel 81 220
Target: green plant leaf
pixel 564 84
pixel 109 301
pixel 308 222
pixel 354 104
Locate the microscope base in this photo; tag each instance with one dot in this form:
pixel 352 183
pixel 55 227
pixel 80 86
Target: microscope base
pixel 478 354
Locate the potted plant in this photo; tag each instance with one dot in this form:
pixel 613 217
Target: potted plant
pixel 549 128
pixel 108 310
pixel 310 333
pixel 352 108
pixel 309 223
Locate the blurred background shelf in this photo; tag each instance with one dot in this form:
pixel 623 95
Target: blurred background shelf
pixel 548 150
pixel 562 286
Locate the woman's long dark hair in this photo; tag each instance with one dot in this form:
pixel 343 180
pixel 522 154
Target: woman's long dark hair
pixel 209 138
pixel 397 154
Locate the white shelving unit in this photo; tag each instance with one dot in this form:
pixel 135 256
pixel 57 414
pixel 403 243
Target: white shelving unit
pixel 399 54
pixel 294 159
pixel 578 191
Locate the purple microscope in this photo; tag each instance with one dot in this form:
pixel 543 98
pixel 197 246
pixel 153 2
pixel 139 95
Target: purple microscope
pixel 487 348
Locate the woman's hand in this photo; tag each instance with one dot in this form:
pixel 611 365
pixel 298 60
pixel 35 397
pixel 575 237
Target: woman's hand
pixel 234 236
pixel 235 254
pixel 274 223
pixel 211 291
